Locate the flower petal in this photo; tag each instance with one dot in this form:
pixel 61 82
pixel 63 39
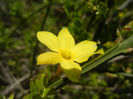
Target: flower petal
pixel 48 58
pixel 83 50
pixel 71 69
pixel 49 39
pixel 65 39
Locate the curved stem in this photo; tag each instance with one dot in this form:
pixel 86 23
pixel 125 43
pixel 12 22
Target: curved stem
pixel 116 50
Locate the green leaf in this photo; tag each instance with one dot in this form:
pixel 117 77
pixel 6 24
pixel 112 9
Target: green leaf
pixel 11 96
pixel 45 92
pixel 29 96
pixel 39 82
pixel 32 87
pixel 36 85
pixel 102 9
pixel 4 97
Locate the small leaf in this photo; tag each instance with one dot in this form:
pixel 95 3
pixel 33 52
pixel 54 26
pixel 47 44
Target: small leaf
pixel 45 92
pixel 29 96
pixel 39 82
pixel 32 87
pixel 36 85
pixel 11 96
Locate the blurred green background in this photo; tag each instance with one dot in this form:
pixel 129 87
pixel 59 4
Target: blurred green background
pixel 105 21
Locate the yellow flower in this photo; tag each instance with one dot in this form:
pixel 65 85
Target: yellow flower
pixel 65 52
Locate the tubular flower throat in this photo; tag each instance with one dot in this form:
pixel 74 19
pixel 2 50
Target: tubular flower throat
pixel 65 52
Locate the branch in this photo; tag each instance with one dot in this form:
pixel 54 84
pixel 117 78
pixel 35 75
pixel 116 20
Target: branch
pixel 23 21
pixel 118 58
pixel 5 73
pixel 120 8
pixel 116 50
pixel 41 28
pixel 125 4
pixel 15 84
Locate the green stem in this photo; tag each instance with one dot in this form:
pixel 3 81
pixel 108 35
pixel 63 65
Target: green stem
pixel 36 11
pixel 35 49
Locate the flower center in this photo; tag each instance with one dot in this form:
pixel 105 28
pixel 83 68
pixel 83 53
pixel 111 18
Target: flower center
pixel 66 54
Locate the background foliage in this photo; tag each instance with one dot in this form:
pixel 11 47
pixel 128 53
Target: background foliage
pixel 107 22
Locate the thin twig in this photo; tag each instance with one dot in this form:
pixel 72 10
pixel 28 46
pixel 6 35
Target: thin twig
pixel 9 76
pixel 15 84
pixel 120 8
pixel 5 73
pixel 35 49
pixel 23 21
pixel 125 4
pixel 118 58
